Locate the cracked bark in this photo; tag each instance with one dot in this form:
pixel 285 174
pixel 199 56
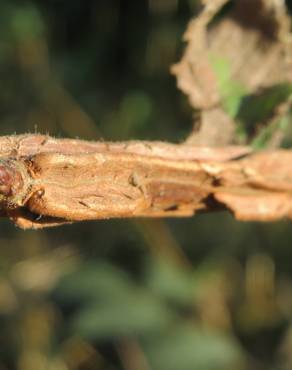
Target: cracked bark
pixel 46 181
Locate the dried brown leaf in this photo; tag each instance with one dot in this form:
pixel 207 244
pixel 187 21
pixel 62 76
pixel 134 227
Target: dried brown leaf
pixel 254 38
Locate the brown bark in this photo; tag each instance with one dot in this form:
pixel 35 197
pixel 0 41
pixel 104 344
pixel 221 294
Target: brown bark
pixel 46 181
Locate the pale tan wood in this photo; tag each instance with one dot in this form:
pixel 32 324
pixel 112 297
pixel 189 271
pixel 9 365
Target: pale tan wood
pixel 46 181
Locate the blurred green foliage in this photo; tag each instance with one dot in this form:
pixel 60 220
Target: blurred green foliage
pixel 205 293
pixel 231 91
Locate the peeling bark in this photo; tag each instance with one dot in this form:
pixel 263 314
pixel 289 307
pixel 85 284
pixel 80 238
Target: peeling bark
pixel 46 181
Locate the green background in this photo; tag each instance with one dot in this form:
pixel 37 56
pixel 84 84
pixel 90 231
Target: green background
pixel 204 293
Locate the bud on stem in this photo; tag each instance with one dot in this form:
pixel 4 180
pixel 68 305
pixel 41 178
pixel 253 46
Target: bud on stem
pixel 11 183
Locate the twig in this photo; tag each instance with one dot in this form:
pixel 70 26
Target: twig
pixel 46 181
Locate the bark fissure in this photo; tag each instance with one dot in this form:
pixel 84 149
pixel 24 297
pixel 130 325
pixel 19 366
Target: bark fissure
pixel 46 181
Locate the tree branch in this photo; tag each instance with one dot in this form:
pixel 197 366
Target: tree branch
pixel 46 181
